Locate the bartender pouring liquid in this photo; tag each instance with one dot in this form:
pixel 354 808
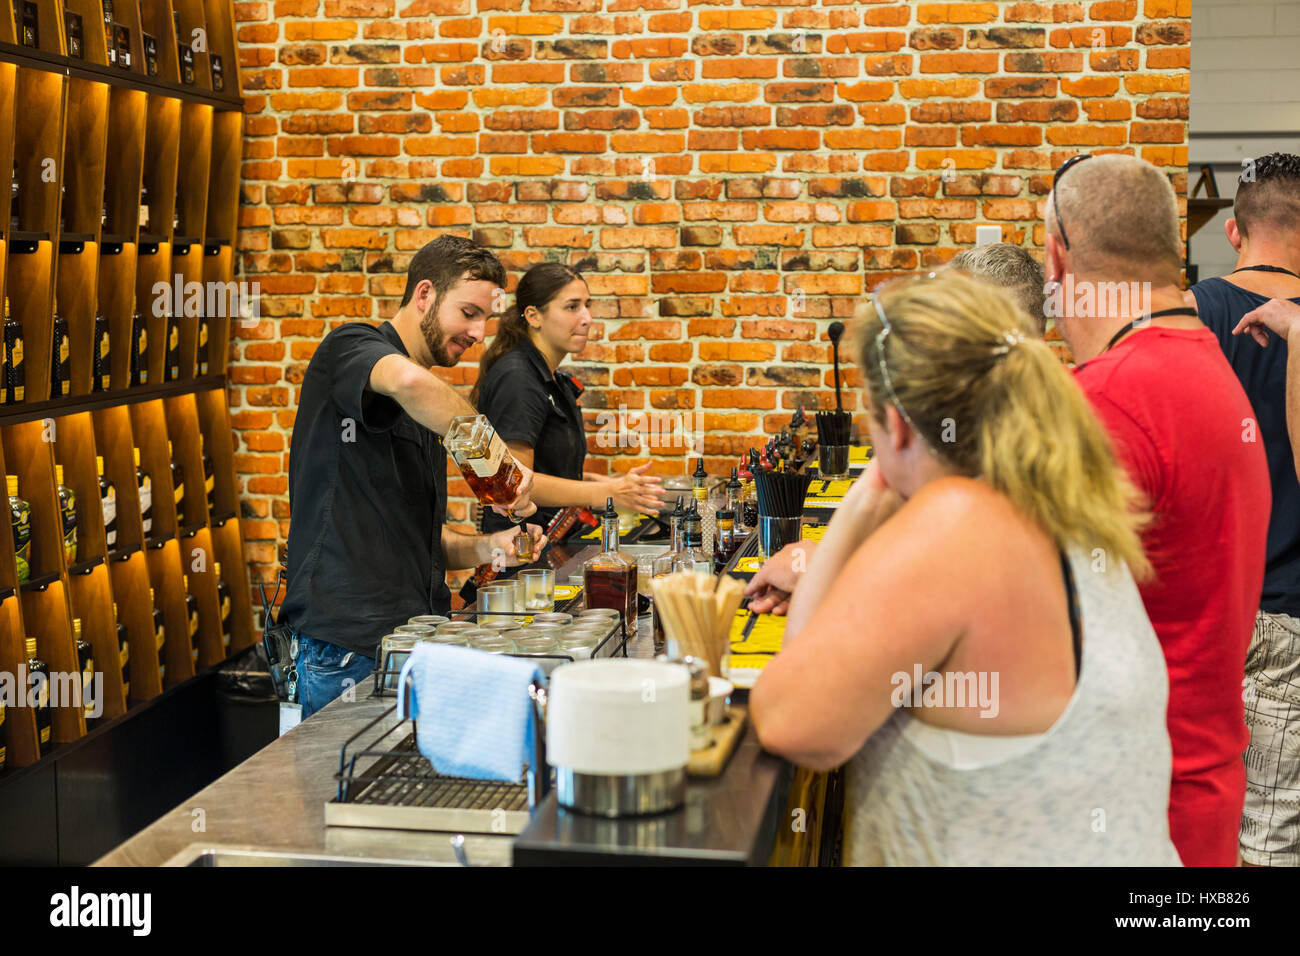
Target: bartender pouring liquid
pixel 368 473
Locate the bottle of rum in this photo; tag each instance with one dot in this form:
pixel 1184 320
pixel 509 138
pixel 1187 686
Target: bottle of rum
pixel 37 666
pixel 60 365
pixel 665 565
pixel 101 370
pixel 15 371
pixel 123 655
pixel 609 579
pixel 202 354
pixel 483 459
pixel 145 485
pixel 192 615
pixel 86 664
pixel 107 503
pixel 223 599
pixel 172 370
pixel 144 194
pixel 68 514
pixel 20 515
pixel 139 350
pixel 707 521
pixel 209 479
pixel 178 480
pixel 159 636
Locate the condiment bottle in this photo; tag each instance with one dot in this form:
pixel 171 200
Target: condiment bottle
pixel 707 520
pixel 665 565
pixel 693 557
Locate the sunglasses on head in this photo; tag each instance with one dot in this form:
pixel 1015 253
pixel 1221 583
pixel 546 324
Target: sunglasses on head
pixel 1056 178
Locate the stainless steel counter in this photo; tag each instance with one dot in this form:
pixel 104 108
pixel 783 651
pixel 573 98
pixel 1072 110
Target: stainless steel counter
pixel 275 801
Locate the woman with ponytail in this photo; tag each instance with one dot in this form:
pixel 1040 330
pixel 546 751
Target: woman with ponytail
pixel 968 637
pixel 534 406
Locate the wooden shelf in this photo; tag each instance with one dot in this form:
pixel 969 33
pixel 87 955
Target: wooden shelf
pixel 87 135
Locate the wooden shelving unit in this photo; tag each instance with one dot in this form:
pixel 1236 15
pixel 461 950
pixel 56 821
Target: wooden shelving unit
pixel 83 135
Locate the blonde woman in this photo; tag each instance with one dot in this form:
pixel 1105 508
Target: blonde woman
pixel 968 636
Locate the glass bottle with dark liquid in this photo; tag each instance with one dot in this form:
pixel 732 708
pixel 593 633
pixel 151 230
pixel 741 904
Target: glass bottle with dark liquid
pixel 20 516
pixel 123 655
pixel 483 459
pixel 60 361
pixel 145 485
pixel 68 514
pixel 86 664
pixel 159 636
pixel 202 353
pixel 172 368
pixel 107 504
pixel 101 364
pixel 209 479
pixel 192 615
pixel 37 666
pixel 223 600
pixel 178 481
pixel 726 545
pixel 609 579
pixel 139 350
pixel 15 369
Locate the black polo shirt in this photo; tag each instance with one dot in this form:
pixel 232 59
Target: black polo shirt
pixel 526 403
pixel 367 499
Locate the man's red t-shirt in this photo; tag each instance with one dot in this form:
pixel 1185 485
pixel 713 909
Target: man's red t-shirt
pixel 1185 431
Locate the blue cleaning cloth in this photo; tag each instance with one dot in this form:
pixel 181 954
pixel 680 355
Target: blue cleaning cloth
pixel 474 710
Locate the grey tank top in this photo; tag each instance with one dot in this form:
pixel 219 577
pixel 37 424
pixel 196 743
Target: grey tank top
pixel 1093 790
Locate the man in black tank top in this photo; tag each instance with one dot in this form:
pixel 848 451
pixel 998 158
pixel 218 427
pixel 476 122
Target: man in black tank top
pixel 1264 291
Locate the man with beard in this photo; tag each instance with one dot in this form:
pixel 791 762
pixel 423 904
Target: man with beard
pixel 368 473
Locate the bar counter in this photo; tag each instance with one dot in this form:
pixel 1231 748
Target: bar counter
pixel 275 801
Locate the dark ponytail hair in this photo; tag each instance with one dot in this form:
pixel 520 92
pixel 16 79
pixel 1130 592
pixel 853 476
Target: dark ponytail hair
pixel 539 285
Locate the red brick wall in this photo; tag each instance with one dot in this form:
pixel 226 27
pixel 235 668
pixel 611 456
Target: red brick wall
pixel 731 176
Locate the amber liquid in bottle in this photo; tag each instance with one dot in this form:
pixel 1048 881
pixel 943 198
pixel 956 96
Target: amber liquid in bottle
pixel 483 459
pixel 609 579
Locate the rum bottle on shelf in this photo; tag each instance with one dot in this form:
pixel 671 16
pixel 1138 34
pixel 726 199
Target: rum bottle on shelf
pixel 159 636
pixel 101 371
pixel 178 480
pixel 123 655
pixel 139 350
pixel 172 368
pixel 15 370
pixel 223 599
pixel 609 579
pixel 20 515
pixel 37 666
pixel 107 503
pixel 202 354
pixel 144 194
pixel 707 521
pixel 145 484
pixel 192 615
pixel 68 515
pixel 483 459
pixel 209 478
pixel 60 366
pixel 86 665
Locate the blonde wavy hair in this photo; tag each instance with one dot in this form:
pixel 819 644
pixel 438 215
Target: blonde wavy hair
pixel 992 400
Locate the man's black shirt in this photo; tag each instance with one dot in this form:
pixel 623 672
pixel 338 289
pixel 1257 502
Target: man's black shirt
pixel 526 403
pixel 1262 372
pixel 367 500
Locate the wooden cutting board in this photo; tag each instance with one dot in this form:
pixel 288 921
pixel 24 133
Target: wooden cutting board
pixel 723 739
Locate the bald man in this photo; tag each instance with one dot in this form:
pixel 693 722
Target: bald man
pixel 1180 423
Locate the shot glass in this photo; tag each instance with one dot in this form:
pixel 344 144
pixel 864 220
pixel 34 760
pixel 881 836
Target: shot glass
pixel 538 587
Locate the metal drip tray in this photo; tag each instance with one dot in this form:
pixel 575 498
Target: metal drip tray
pixel 402 791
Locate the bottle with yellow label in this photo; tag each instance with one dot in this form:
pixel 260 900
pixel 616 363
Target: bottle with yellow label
pixel 172 370
pixel 15 371
pixel 192 616
pixel 37 666
pixel 68 512
pixel 86 664
pixel 144 485
pixel 101 370
pixel 123 655
pixel 159 636
pixel 2 736
pixel 60 362
pixel 209 479
pixel 139 364
pixel 20 513
pixel 203 345
pixel 223 598
pixel 107 503
pixel 178 480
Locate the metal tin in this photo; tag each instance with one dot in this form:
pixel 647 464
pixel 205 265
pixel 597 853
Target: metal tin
pixel 630 795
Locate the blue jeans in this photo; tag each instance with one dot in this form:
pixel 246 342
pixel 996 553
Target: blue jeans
pixel 325 671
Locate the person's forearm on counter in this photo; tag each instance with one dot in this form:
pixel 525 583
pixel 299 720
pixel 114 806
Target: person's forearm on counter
pixel 425 397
